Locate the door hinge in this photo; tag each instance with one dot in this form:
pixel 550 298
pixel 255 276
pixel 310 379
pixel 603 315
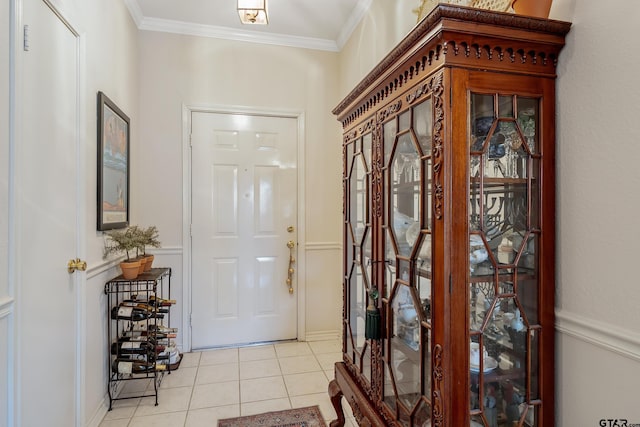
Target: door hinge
pixel 25 38
pixel 190 319
pixel 450 284
pixel 191 230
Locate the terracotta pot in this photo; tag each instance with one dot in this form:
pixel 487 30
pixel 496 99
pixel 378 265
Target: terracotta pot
pixel 537 8
pixel 130 269
pixel 147 266
pixel 143 262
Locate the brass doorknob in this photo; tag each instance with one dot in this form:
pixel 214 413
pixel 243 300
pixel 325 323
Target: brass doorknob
pixel 291 244
pixel 76 264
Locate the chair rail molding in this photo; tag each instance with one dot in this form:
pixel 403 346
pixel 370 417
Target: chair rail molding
pixel 6 306
pixel 605 335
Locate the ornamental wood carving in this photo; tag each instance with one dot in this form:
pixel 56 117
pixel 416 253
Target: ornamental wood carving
pixel 357 413
pixel 437 90
pixel 376 178
pixel 433 52
pixel 377 372
pixel 438 377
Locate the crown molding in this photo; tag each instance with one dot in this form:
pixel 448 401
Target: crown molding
pixel 187 28
pixel 352 23
pixel 211 31
pixel 134 11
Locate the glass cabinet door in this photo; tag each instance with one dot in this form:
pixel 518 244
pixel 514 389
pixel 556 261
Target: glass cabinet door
pixel 407 171
pixel 504 230
pixel 358 236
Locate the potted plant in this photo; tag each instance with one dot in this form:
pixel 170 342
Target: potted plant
pixel 148 237
pixel 124 241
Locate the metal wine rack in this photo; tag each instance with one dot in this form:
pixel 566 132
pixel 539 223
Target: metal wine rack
pixel 156 281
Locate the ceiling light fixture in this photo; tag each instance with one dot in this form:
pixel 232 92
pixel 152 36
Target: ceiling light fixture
pixel 253 12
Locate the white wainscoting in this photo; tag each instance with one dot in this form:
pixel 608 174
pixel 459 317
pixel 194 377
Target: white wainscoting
pixel 597 371
pixel 323 309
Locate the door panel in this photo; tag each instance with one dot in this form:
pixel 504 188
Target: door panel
pixel 244 197
pixel 46 221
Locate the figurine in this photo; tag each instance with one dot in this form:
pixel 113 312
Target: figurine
pixel 490 410
pixel 513 401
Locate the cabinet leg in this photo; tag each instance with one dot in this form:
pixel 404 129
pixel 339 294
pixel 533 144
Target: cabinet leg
pixel 336 400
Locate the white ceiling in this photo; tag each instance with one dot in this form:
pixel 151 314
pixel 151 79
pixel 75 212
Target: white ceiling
pixel 312 24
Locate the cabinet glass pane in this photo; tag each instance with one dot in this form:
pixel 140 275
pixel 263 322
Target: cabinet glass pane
pixel 423 126
pixel 428 371
pixel 366 150
pixel 405 346
pixel 389 390
pixel 366 363
pixel 405 196
pixel 423 275
pixel 423 415
pixel 505 106
pixel 389 130
pixel 404 121
pixel 528 118
pixel 358 198
pixel 367 260
pixel 504 206
pixel 357 307
pixel 390 264
pixel 428 194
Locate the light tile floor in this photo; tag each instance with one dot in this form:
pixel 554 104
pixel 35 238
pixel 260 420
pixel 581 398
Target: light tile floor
pixel 216 384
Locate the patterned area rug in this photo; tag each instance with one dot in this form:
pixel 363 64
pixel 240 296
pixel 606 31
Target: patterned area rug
pixel 300 417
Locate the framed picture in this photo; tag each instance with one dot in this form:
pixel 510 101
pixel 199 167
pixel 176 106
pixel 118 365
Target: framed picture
pixel 113 165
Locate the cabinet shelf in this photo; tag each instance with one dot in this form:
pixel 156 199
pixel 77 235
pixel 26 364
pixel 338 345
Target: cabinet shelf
pixel 500 182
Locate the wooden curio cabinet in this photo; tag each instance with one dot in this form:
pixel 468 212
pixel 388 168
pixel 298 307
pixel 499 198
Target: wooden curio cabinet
pixel 449 223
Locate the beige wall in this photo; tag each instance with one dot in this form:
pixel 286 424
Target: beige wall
pixel 111 40
pixel 178 70
pixel 384 25
pixel 598 203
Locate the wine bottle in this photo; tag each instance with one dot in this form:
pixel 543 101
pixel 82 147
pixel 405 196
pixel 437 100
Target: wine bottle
pixel 153 299
pixel 133 313
pixel 132 347
pixel 160 301
pixel 124 366
pixel 143 306
pixel 162 329
pixel 152 333
pixel 147 326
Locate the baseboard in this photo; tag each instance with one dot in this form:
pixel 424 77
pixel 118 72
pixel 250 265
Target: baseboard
pixel 100 413
pixel 609 337
pixel 323 335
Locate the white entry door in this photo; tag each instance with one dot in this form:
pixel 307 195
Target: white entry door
pixel 47 222
pixel 244 212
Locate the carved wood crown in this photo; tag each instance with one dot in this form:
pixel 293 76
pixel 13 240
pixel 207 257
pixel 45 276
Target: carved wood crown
pixel 429 49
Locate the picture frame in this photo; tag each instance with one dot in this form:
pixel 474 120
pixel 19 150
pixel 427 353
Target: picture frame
pixel 113 165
